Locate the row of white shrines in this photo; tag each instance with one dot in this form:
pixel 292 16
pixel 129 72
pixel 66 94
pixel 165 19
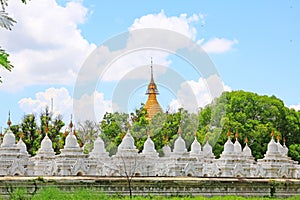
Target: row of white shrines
pixel 201 162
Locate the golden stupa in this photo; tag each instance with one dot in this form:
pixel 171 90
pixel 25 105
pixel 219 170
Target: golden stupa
pixel 152 106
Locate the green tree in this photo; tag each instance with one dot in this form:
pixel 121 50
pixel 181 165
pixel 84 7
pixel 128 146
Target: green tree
pixel 53 125
pixel 30 133
pixel 112 130
pixel 251 115
pixel 7 23
pixel 87 134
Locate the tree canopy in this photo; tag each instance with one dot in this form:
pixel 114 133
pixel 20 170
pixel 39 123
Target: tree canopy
pixel 250 115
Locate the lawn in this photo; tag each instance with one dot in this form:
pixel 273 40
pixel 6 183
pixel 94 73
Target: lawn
pixel 84 194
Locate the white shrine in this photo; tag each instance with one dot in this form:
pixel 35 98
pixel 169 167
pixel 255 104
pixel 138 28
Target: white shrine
pixel 200 162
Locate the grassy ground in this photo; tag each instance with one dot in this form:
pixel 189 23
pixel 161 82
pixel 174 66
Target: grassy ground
pixel 56 194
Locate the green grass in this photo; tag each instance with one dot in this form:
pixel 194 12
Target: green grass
pixel 52 193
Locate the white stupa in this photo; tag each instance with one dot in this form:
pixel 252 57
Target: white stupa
pixel 149 147
pixel 179 145
pixel 99 150
pixel 195 148
pixel 237 145
pixel 207 150
pixel 46 149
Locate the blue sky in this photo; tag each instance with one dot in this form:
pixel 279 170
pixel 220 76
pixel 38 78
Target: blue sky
pixel 254 45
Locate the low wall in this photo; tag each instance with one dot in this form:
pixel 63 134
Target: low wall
pixel 164 186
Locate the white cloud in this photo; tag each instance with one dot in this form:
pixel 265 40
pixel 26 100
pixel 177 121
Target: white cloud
pixel 129 62
pixel 63 104
pixel 195 94
pixel 46 45
pixel 296 107
pixel 217 45
pixel 181 24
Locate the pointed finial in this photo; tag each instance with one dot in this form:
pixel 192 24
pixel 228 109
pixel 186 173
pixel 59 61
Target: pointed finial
pixel 228 133
pixel 207 138
pixel 179 130
pixel 151 67
pixel 167 137
pixel 8 121
pixel 246 140
pixel 284 140
pixel 236 134
pixel 148 132
pixel 278 138
pixel 47 127
pixel 71 124
pixel 195 133
pixel 21 133
pixel 272 134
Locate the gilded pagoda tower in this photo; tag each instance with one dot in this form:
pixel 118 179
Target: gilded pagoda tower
pixel 152 106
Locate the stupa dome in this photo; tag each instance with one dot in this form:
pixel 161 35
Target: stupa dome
pixel 237 146
pixel 167 150
pixel 207 149
pixel 179 145
pixel 272 147
pixel 22 146
pixel 195 147
pixel 99 147
pixel 149 146
pixel 46 144
pixel 9 139
pixel 71 141
pixel 228 147
pixel 247 151
pixel 127 142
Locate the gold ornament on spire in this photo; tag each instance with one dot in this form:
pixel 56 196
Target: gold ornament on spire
pixel 152 106
pixel 179 130
pixel 246 140
pixel 71 124
pixel 278 138
pixel 228 133
pixel 195 133
pixel 8 121
pixel 236 135
pixel 272 134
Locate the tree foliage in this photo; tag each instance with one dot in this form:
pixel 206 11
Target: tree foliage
pixel 32 133
pixel 251 115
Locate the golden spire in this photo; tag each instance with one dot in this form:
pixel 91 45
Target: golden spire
pixel 272 134
pixel 228 133
pixel 47 127
pixel 278 138
pixel 236 134
pixel 179 130
pixel 167 137
pixel 152 106
pixel 20 133
pixel 8 121
pixel 152 88
pixel 246 140
pixel 71 124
